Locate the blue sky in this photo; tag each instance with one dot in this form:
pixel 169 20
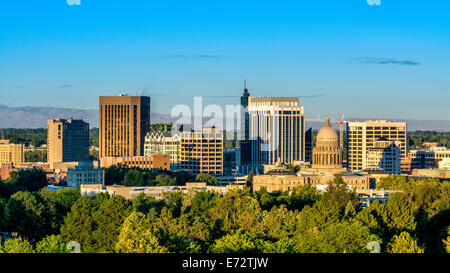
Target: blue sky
pixel 387 61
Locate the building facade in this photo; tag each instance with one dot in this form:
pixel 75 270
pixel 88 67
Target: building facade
pixel 84 173
pixel 164 143
pixel 244 137
pixel 202 152
pixel 425 159
pixel 124 122
pixel 327 153
pixel 326 165
pixel 362 135
pixel 67 140
pixel 11 153
pixel 277 130
pixel 384 155
pixel 151 162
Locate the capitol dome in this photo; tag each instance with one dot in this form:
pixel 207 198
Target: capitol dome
pixel 327 134
pixel 327 152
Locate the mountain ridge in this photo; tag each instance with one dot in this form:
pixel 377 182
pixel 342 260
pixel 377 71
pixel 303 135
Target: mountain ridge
pixel 37 116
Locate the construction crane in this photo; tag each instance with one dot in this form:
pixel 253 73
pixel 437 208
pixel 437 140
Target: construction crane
pixel 341 132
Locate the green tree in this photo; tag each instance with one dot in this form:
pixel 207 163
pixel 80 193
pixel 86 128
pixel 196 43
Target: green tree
pixel 249 181
pixel 136 236
pixel 63 200
pixel 2 211
pixel 209 179
pixel 302 196
pixel 115 174
pixel 346 237
pixel 237 210
pixel 238 243
pixel 398 215
pixel 36 156
pixel 165 180
pixel 52 244
pixel 279 223
pixel 31 215
pixel 79 224
pixel 16 246
pixel 25 180
pixel 403 243
pixel 143 203
pixel 108 219
pixel 135 177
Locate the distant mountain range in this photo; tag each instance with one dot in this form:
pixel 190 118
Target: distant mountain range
pixel 36 117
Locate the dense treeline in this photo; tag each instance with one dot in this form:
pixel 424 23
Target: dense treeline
pixel 29 137
pixel 134 177
pixel 120 175
pixel 38 137
pixel 416 138
pixel 304 220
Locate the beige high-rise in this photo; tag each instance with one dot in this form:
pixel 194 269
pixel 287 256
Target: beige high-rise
pixel 202 152
pixel 67 140
pixel 362 135
pixel 124 122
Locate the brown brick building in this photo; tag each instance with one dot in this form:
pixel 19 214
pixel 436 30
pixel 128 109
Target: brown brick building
pixel 124 122
pixel 156 161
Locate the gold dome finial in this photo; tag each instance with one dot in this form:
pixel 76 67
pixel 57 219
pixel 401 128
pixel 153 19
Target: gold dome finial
pixel 327 121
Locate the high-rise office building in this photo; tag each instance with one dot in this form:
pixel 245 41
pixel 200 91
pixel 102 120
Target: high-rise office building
pixel 67 140
pixel 244 139
pixel 11 153
pixel 362 135
pixel 276 130
pixel 202 152
pixel 308 145
pixel 124 122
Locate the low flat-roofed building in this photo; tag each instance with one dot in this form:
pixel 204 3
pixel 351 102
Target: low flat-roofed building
pixel 152 191
pixel 232 180
pixel 436 173
pixel 151 162
pixel 84 173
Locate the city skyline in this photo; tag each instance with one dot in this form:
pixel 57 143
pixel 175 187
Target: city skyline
pixel 388 61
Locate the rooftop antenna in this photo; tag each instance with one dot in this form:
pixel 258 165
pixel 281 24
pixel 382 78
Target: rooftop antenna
pixel 246 94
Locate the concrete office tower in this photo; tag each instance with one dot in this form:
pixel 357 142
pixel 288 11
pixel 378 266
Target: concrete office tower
pixel 67 140
pixel 124 122
pixel 11 153
pixel 202 152
pixel 277 130
pixel 362 135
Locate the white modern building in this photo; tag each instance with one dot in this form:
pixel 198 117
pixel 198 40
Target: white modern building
pixel 277 130
pixel 384 155
pixel 84 173
pixel 164 143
